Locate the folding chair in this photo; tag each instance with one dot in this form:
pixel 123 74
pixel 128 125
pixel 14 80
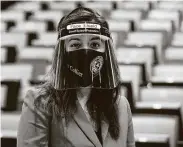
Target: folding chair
pixel 177 39
pixel 9 126
pixel 151 140
pixel 132 15
pixel 12 15
pixel 169 107
pixel 45 40
pixel 18 40
pixel 39 58
pixel 121 28
pixel 166 14
pixel 53 15
pixel 147 38
pixel 164 26
pixel 131 73
pixel 103 7
pixel 26 6
pixel 130 92
pixel 140 5
pixel 21 72
pixel 168 71
pixel 64 6
pixel 174 55
pixel 157 124
pixel 162 94
pixel 30 26
pixel 170 5
pixel 129 55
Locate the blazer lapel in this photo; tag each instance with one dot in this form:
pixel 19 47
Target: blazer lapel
pixel 82 121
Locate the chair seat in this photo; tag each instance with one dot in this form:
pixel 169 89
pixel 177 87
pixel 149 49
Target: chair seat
pixel 157 124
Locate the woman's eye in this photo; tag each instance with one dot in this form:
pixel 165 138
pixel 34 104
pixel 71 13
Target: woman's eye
pixel 95 45
pixel 75 45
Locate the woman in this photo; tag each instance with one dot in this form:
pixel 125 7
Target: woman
pixel 80 105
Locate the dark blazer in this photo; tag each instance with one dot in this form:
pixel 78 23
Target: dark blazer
pixel 34 126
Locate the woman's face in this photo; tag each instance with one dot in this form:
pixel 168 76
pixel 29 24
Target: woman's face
pixel 85 42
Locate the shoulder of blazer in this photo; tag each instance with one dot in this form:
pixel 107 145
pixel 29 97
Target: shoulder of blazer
pixel 121 100
pixel 36 99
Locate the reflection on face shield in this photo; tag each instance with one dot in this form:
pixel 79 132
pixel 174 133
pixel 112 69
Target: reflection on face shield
pixel 84 60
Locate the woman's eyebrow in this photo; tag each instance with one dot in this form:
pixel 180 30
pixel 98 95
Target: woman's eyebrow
pixel 97 38
pixel 74 39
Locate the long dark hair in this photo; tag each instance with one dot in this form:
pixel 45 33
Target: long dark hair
pixel 101 102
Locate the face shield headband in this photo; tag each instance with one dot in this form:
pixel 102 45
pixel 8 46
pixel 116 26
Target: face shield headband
pixel 85 59
pixel 83 27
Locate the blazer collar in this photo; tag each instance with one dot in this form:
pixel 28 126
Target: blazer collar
pixel 87 128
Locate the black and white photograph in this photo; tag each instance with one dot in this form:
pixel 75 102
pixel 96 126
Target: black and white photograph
pixel 91 73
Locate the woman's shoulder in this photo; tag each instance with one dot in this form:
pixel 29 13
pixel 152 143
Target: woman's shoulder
pixel 121 100
pixel 38 98
pixel 123 103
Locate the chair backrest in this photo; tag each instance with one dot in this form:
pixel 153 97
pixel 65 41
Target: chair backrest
pixel 151 24
pixel 162 94
pixel 53 15
pixel 12 15
pixel 32 53
pixel 170 5
pixel 116 25
pixel 21 72
pixel 173 54
pixel 147 38
pixel 30 26
pixel 166 14
pixel 9 124
pixel 13 39
pixel 140 5
pixel 64 6
pixel 45 39
pixel 131 73
pixel 102 7
pixel 134 15
pixel 134 55
pixel 26 6
pixel 157 124
pixel 167 79
pixel 148 139
pixel 177 39
pixel 168 70
pixel 172 94
pixel 4 90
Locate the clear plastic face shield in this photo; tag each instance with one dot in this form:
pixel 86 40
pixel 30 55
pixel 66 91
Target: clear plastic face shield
pixel 85 58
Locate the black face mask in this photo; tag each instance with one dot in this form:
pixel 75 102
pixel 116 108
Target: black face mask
pixel 85 67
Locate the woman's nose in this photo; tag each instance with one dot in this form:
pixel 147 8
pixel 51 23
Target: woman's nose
pixel 85 45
